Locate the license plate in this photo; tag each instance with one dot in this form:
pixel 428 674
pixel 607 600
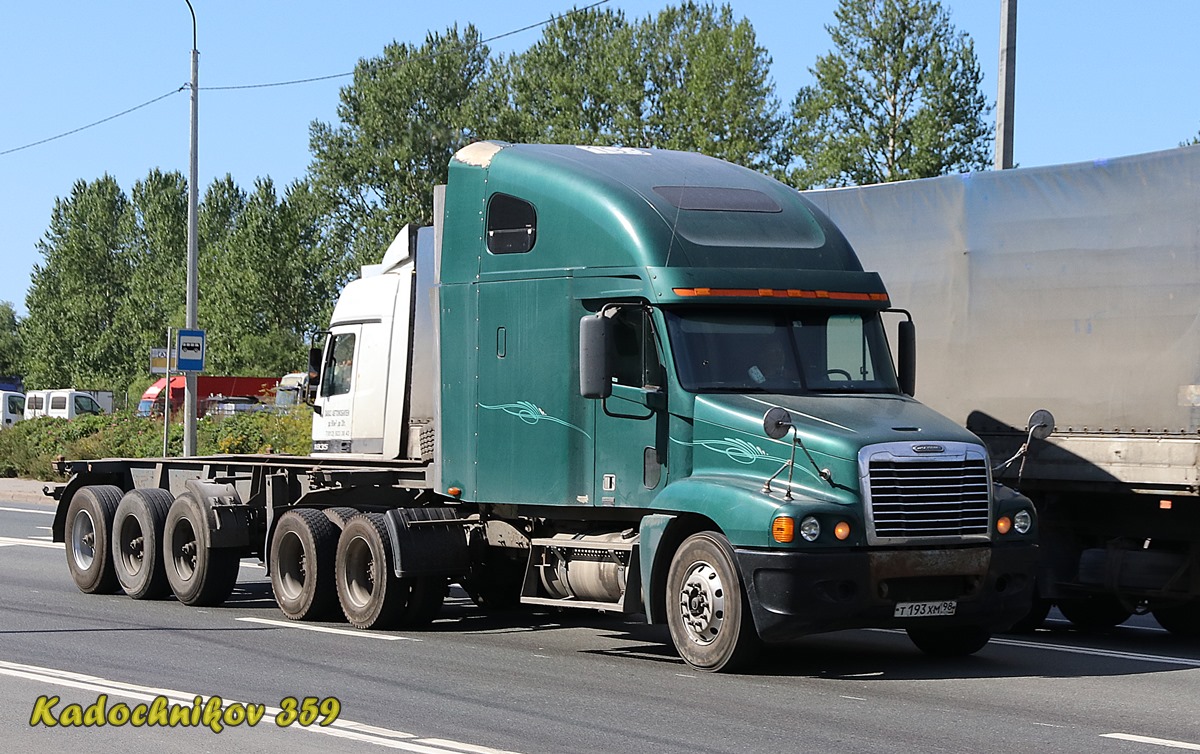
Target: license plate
pixel 925 609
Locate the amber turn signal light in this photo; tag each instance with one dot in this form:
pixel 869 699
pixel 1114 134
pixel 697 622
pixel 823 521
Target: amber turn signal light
pixel 842 530
pixel 1003 524
pixel 783 529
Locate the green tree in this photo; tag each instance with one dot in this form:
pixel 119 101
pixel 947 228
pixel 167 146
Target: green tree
pixel 583 82
pixel 899 97
pixel 265 278
pixel 76 290
pixel 10 341
pixel 402 118
pixel 709 87
pixel 1193 141
pixel 155 257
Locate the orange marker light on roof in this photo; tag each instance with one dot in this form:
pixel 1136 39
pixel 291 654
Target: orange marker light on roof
pixel 780 293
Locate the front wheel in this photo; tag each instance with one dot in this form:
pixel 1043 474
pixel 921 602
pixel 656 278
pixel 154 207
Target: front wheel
pixel 707 611
pixel 958 641
pixel 88 526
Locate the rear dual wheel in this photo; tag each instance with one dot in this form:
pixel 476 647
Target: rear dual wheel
pixel 303 549
pixel 370 593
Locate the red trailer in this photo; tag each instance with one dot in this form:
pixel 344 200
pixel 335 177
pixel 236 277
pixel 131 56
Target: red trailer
pixel 207 387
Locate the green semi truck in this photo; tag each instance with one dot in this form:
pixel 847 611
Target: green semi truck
pixel 628 380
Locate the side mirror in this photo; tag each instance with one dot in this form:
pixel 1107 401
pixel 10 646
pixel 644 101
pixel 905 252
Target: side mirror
pixel 595 367
pixel 907 366
pixel 314 366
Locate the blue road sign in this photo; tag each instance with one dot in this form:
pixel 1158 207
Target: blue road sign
pixel 189 355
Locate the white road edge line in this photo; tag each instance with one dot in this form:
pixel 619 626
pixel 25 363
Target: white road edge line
pixel 348 729
pixel 1154 741
pixel 326 630
pixel 27 510
pixel 30 543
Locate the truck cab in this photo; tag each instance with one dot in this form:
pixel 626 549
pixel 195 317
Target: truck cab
pixel 12 408
pixel 652 352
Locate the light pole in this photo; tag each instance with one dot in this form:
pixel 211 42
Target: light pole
pixel 1008 84
pixel 193 283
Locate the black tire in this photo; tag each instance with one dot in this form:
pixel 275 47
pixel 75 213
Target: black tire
pixel 87 532
pixel 496 582
pixel 1039 608
pixel 368 590
pixel 370 594
pixel 137 543
pixel 340 516
pixel 956 641
pixel 1181 620
pixel 303 550
pixel 953 641
pixel 707 611
pixel 199 575
pixel 1094 612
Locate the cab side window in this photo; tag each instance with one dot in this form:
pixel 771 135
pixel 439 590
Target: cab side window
pixel 511 225
pixel 635 357
pixel 339 365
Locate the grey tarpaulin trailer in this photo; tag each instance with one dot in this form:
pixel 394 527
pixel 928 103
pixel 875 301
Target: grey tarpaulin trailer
pixel 1076 288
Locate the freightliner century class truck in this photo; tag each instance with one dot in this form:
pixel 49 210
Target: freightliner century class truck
pixel 1077 288
pixel 615 379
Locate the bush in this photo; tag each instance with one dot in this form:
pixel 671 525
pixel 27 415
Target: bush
pixel 29 448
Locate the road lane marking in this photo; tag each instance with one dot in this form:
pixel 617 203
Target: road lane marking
pixel 26 510
pixel 30 543
pixel 1111 653
pixel 1189 662
pixel 346 729
pixel 1154 741
pixel 326 630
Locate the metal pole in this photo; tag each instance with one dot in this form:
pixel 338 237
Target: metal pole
pixel 193 293
pixel 1007 75
pixel 166 400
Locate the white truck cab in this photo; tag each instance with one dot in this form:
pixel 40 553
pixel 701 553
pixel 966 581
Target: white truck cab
pixel 12 407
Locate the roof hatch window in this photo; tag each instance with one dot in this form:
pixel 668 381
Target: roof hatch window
pixel 511 225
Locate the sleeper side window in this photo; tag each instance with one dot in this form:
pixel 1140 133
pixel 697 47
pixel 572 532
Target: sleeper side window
pixel 511 225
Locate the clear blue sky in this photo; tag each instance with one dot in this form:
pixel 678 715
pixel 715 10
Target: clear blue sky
pixel 1095 79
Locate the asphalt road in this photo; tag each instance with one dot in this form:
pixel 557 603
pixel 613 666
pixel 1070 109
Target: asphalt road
pixel 544 682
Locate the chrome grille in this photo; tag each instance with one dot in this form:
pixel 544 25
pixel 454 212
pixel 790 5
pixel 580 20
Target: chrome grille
pixel 917 496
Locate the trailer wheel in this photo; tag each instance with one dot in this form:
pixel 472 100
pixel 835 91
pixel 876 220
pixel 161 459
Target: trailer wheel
pixel 137 543
pixel 707 612
pixel 1181 620
pixel 199 575
pixel 303 549
pixel 89 547
pixel 1095 612
pixel 957 641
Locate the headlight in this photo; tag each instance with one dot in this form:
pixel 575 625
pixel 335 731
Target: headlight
pixel 810 529
pixel 1023 522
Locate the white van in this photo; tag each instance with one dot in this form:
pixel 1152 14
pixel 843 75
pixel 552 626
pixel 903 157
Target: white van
pixel 65 404
pixel 12 407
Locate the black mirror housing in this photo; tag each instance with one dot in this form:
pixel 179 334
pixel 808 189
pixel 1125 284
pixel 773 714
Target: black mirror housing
pixel 907 366
pixel 595 366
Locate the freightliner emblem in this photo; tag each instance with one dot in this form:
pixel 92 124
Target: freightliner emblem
pixel 928 449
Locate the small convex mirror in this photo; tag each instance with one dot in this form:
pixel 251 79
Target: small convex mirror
pixel 1041 424
pixel 776 422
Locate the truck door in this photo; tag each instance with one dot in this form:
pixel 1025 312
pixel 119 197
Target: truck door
pixel 332 426
pixel 14 408
pixel 631 424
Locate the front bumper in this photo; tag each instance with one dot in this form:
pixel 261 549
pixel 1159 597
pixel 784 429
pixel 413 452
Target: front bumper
pixel 793 594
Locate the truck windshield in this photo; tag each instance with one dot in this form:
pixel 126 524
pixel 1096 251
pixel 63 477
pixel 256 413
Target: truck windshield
pixel 780 351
